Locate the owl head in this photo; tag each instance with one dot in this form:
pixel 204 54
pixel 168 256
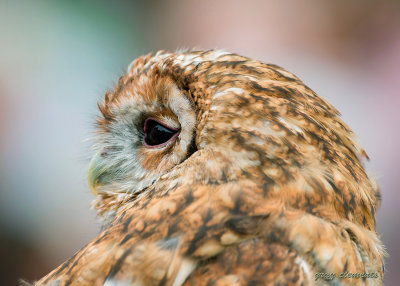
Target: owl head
pixel 205 157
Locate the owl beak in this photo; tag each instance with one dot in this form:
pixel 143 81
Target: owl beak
pixel 97 173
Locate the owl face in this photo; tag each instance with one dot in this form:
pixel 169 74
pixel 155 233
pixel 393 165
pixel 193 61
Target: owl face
pixel 146 129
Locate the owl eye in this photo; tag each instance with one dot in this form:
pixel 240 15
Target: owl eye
pixel 158 134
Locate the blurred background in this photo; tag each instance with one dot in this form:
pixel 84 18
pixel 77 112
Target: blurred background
pixel 57 59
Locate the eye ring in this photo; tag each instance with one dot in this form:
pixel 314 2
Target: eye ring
pixel 157 133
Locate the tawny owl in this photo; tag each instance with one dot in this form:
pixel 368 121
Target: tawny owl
pixel 215 169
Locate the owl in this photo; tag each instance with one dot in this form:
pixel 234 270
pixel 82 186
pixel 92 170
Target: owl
pixel 211 168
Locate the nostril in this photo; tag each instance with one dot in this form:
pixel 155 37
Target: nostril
pixel 104 152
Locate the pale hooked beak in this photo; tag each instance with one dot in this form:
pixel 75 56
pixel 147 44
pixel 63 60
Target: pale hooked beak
pixel 98 174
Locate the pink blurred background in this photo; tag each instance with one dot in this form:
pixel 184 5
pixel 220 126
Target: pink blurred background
pixel 57 58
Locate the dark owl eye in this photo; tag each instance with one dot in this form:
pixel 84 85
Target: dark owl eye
pixel 158 134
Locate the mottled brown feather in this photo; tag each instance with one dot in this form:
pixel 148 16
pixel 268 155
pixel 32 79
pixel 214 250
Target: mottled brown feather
pixel 274 192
